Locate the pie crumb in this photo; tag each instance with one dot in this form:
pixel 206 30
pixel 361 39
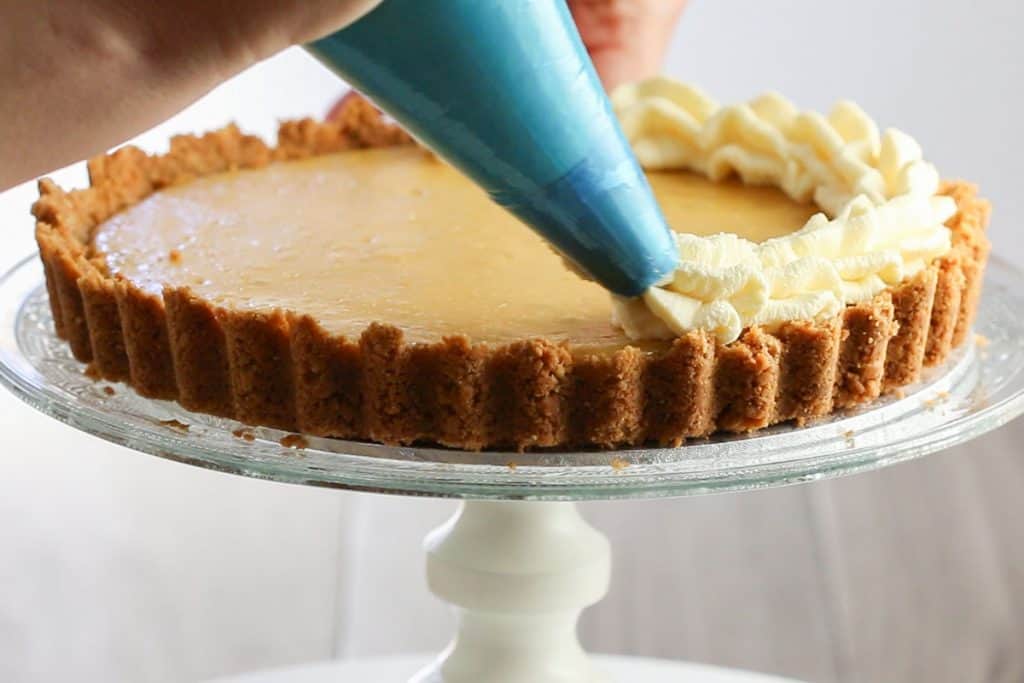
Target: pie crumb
pixel 940 397
pixel 244 435
pixel 619 464
pixel 981 341
pixel 294 441
pixel 511 465
pixel 109 391
pixel 174 256
pixel 176 425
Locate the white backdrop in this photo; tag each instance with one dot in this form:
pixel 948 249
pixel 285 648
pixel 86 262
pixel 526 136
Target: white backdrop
pixel 119 567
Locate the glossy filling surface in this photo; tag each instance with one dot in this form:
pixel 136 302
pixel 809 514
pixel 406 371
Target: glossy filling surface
pixel 395 236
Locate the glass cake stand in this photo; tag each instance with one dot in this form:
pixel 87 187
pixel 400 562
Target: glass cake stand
pixel 517 560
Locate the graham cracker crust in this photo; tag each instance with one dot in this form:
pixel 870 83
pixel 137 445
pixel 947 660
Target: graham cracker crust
pixel 282 369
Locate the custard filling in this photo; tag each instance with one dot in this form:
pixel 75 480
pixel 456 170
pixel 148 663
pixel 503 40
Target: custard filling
pixel 394 236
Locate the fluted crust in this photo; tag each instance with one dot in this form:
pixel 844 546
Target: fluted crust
pixel 282 369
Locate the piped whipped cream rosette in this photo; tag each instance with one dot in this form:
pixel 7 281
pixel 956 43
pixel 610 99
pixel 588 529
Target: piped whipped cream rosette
pixel 881 223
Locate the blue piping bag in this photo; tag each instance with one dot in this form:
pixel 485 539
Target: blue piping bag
pixel 504 90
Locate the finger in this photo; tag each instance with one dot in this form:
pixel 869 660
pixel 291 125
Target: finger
pixel 627 39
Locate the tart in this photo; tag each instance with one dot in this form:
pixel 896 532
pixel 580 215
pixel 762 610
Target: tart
pixel 346 283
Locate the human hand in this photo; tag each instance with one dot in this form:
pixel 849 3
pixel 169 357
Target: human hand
pixel 627 39
pixel 79 77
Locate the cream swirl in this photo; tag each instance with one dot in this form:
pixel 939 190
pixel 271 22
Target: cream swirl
pixel 886 221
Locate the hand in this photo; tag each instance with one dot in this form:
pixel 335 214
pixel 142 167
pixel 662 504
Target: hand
pixel 627 39
pixel 79 77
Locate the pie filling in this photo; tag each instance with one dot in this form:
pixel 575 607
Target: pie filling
pixel 393 235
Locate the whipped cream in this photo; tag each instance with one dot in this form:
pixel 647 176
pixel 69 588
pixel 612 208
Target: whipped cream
pixel 881 223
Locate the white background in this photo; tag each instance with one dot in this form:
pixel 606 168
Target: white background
pixel 121 567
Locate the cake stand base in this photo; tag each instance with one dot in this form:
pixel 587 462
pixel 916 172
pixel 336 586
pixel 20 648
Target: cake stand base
pixel 399 670
pixel 518 575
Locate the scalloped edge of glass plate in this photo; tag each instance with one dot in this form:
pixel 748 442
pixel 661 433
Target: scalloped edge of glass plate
pixel 979 389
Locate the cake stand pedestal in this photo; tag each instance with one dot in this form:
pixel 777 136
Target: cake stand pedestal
pixel 517 561
pixel 519 575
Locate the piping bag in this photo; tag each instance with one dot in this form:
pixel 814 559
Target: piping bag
pixel 505 92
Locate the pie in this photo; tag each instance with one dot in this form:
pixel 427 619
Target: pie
pixel 347 283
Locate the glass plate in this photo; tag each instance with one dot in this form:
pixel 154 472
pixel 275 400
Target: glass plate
pixel 979 389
